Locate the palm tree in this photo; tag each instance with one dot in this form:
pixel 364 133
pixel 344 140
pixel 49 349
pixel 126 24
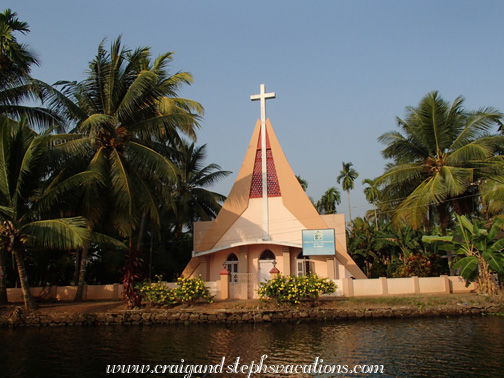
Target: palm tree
pixel 28 189
pixel 16 85
pixel 348 175
pixel 302 182
pixel 372 193
pixel 328 201
pixel 438 158
pixel 190 201
pixel 126 113
pixel 15 58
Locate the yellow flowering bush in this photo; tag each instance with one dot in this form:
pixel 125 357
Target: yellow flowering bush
pixel 188 290
pixel 192 289
pixel 293 290
pixel 157 293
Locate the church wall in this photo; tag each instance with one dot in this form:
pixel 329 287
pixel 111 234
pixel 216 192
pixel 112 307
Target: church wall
pixel 283 225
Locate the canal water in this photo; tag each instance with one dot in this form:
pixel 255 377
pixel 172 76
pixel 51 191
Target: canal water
pixel 423 347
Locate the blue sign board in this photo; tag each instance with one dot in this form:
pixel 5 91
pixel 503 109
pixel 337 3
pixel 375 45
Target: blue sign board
pixel 319 242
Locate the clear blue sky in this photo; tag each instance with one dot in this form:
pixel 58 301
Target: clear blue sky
pixel 342 70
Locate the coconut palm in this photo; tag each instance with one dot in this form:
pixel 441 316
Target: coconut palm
pixel 302 182
pixel 190 200
pixel 15 58
pixel 347 177
pixel 328 201
pixel 28 189
pixel 126 112
pixel 16 86
pixel 438 158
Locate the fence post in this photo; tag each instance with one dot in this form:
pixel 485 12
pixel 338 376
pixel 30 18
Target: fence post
pixel 384 287
pixel 348 290
pixel 446 283
pixel 224 275
pixel 416 284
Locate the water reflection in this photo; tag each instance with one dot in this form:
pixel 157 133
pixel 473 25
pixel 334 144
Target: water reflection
pixel 437 347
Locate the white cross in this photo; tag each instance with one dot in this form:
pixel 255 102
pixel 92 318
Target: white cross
pixel 263 96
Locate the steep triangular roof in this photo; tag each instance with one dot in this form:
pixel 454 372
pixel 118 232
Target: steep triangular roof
pixel 296 210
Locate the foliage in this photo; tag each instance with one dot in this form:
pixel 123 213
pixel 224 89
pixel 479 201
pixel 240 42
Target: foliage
pixel 385 250
pixel 15 58
pixel 302 182
pixel 190 201
pixel 347 177
pixel 479 249
pixel 192 289
pixel 157 293
pixel 328 201
pixel 415 265
pixel 189 290
pixel 438 158
pixel 28 188
pixel 292 290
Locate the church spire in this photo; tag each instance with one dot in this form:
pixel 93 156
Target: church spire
pixel 262 97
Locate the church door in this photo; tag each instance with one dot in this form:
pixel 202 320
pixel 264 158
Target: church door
pixel 266 263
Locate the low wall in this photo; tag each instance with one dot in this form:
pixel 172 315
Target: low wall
pixel 91 292
pixel 376 287
pixel 67 293
pixel 347 287
pixel 19 318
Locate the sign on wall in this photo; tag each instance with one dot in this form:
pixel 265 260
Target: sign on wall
pixel 319 242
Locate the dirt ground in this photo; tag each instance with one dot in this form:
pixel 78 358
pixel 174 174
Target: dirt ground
pixel 424 301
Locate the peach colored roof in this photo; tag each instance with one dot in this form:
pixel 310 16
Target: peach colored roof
pixel 292 195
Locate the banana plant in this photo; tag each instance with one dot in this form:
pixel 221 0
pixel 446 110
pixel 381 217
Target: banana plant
pixel 480 251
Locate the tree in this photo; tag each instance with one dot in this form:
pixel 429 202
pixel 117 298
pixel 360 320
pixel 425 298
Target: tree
pixel 16 85
pixel 190 200
pixel 302 182
pixel 328 201
pixel 347 177
pixel 27 190
pixel 438 158
pixel 126 112
pixel 479 248
pixel 372 193
pixel 15 58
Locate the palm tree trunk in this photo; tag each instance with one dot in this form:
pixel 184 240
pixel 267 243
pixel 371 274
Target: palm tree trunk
pixel 29 301
pixel 444 218
pixel 375 216
pixel 3 278
pixel 349 209
pixel 141 232
pixel 82 274
pixel 75 278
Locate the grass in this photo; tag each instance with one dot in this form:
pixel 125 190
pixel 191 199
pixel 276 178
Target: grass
pixel 422 300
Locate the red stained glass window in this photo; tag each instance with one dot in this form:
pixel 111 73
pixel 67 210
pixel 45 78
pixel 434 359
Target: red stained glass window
pixel 273 186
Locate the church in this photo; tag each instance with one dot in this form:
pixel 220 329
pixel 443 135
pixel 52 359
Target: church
pixel 268 221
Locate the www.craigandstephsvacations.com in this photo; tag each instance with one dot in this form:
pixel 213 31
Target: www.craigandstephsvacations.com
pixel 237 367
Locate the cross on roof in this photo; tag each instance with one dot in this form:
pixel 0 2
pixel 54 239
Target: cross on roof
pixel 263 97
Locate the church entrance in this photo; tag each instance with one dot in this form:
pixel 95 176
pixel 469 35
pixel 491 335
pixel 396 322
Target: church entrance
pixel 266 263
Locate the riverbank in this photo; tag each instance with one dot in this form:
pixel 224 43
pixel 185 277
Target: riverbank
pixel 250 311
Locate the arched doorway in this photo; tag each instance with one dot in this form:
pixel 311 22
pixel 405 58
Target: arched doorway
pixel 266 260
pixel 304 265
pixel 232 267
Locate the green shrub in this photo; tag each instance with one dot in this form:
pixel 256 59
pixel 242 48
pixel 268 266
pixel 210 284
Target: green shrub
pixel 293 290
pixel 157 293
pixel 419 265
pixel 192 289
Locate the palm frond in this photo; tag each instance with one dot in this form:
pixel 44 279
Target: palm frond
pixel 63 233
